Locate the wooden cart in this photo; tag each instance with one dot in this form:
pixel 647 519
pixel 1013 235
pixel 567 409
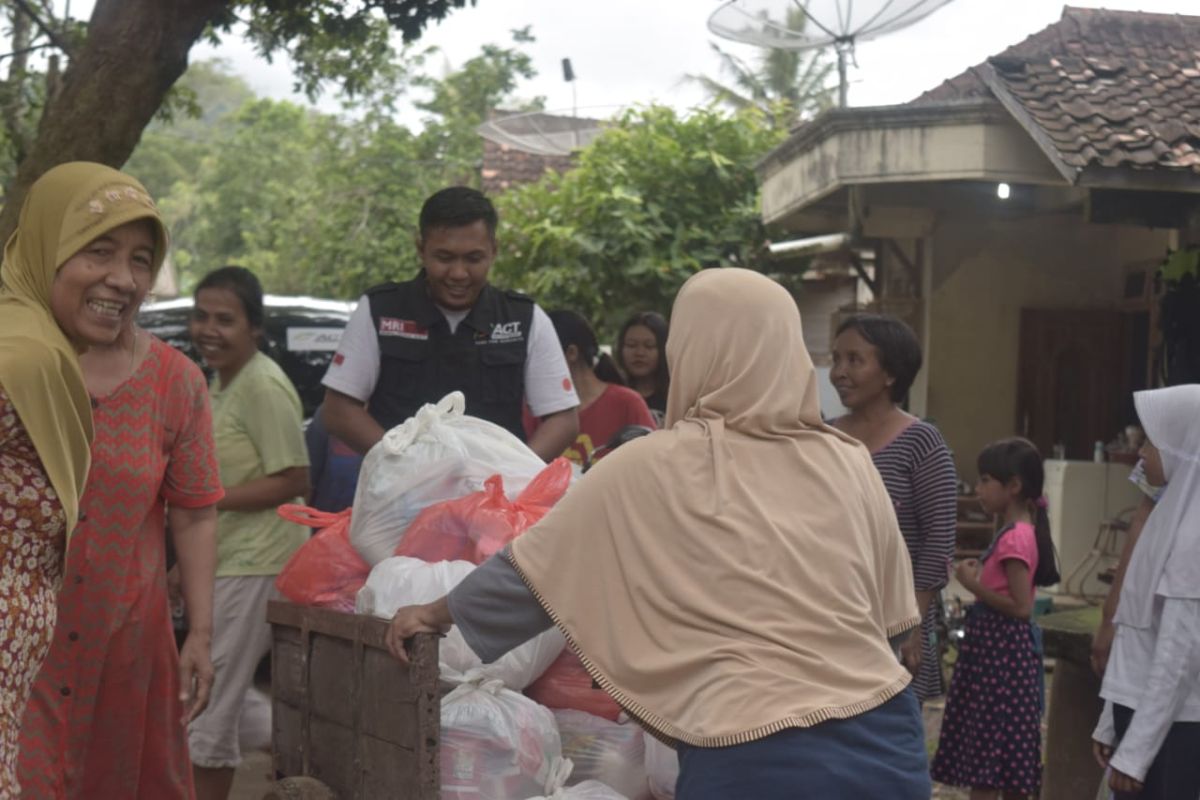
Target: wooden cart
pixel 349 720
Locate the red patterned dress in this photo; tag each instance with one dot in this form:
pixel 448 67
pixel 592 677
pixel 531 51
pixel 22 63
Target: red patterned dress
pixel 32 529
pixel 104 716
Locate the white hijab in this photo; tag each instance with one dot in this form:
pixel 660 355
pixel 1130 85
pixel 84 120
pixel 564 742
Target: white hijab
pixel 1166 560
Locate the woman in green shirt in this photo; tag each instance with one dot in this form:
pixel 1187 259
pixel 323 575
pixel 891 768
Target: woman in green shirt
pixel 263 463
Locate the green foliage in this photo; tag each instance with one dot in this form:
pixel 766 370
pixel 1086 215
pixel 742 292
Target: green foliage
pixel 655 198
pixel 784 84
pixel 460 101
pixel 316 203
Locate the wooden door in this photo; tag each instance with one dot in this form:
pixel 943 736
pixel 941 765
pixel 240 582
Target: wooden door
pixel 1073 378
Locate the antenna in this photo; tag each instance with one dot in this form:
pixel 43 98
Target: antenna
pixel 841 24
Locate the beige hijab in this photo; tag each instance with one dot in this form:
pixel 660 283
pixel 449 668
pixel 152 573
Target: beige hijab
pixel 65 209
pixel 740 572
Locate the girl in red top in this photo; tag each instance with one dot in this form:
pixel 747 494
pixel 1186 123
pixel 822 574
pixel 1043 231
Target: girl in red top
pixel 991 733
pixel 605 404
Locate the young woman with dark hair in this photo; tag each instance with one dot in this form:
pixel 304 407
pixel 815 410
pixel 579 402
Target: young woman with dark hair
pixel 991 733
pixel 641 356
pixel 875 360
pixel 264 463
pixel 605 404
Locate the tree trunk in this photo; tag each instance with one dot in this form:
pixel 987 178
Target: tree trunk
pixel 13 88
pixel 117 79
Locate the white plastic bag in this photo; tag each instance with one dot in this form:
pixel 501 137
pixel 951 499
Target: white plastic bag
pixel 588 790
pixel 438 454
pixel 399 581
pixel 609 752
pixel 662 768
pixel 496 744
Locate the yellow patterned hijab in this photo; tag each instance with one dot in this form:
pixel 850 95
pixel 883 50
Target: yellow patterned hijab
pixel 66 208
pixel 739 572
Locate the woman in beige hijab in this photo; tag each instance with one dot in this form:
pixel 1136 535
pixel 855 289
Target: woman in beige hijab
pixel 733 580
pixel 61 294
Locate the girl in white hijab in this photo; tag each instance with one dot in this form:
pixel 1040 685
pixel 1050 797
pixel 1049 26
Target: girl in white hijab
pixel 1149 733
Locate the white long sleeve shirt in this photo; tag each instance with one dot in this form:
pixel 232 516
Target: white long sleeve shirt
pixel 1156 672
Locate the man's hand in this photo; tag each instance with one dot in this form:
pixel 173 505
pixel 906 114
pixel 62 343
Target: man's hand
pixel 1102 752
pixel 911 652
pixel 195 674
pixel 409 621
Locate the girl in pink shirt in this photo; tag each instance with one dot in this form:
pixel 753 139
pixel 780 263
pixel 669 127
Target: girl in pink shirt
pixel 991 733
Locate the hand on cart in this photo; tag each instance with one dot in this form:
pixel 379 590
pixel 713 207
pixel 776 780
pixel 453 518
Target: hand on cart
pixel 409 621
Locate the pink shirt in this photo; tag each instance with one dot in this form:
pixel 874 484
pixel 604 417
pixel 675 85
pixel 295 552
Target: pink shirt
pixel 1017 542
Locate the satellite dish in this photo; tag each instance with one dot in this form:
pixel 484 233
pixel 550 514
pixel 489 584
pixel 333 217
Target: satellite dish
pixel 840 23
pixel 543 133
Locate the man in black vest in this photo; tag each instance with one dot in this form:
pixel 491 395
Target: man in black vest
pixel 447 329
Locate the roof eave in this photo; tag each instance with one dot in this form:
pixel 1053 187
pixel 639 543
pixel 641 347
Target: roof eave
pixel 839 120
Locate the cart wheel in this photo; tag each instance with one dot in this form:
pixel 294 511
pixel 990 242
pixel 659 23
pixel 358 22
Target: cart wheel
pixel 300 789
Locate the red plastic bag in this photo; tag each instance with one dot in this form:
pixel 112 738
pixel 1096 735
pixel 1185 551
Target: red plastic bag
pixel 326 571
pixel 474 527
pixel 567 685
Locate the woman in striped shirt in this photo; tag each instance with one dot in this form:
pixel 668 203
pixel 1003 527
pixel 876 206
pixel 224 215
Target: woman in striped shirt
pixel 875 360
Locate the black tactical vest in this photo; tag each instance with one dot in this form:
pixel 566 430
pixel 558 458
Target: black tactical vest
pixel 421 361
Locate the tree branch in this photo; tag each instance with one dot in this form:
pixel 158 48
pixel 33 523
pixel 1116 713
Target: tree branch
pixel 25 51
pixel 50 33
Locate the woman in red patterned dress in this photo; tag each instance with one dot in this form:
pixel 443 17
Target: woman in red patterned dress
pixel 85 231
pixel 107 717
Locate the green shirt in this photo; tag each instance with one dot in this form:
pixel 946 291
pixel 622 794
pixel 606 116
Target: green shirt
pixel 258 431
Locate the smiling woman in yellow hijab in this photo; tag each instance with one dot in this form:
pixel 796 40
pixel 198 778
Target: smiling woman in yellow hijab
pixel 64 287
pixel 733 580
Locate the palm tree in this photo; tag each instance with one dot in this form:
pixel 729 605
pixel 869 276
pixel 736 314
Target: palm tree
pixel 785 84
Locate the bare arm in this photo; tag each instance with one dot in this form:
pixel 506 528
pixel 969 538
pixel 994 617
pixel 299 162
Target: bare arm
pixel 1103 640
pixel 194 534
pixel 554 434
pixel 347 419
pixel 266 492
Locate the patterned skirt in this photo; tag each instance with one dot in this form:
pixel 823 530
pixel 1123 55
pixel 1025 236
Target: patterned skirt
pixel 991 733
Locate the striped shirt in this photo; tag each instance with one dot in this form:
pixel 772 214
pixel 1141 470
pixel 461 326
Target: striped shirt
pixel 918 471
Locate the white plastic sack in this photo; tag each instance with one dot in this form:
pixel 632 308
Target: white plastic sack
pixel 662 769
pixel 496 744
pixel 437 455
pixel 588 790
pixel 400 581
pixel 609 752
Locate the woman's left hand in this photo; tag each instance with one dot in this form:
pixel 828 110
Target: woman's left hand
pixel 1120 782
pixel 411 620
pixel 910 652
pixel 195 674
pixel 967 572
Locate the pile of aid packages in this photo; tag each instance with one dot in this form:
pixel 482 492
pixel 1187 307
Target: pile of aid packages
pixel 436 497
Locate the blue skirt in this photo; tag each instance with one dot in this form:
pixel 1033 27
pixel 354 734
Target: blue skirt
pixel 877 754
pixel 991 733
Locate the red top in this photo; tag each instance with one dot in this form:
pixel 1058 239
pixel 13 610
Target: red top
pixel 104 717
pixel 617 407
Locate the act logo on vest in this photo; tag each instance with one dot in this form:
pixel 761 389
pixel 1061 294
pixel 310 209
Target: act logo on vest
pixel 403 328
pixel 506 332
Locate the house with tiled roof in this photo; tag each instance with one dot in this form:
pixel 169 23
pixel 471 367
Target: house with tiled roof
pixel 1017 214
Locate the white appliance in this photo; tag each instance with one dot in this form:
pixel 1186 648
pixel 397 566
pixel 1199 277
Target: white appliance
pixel 1082 495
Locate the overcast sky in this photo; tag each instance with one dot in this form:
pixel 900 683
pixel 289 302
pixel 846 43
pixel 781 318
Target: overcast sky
pixel 637 51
